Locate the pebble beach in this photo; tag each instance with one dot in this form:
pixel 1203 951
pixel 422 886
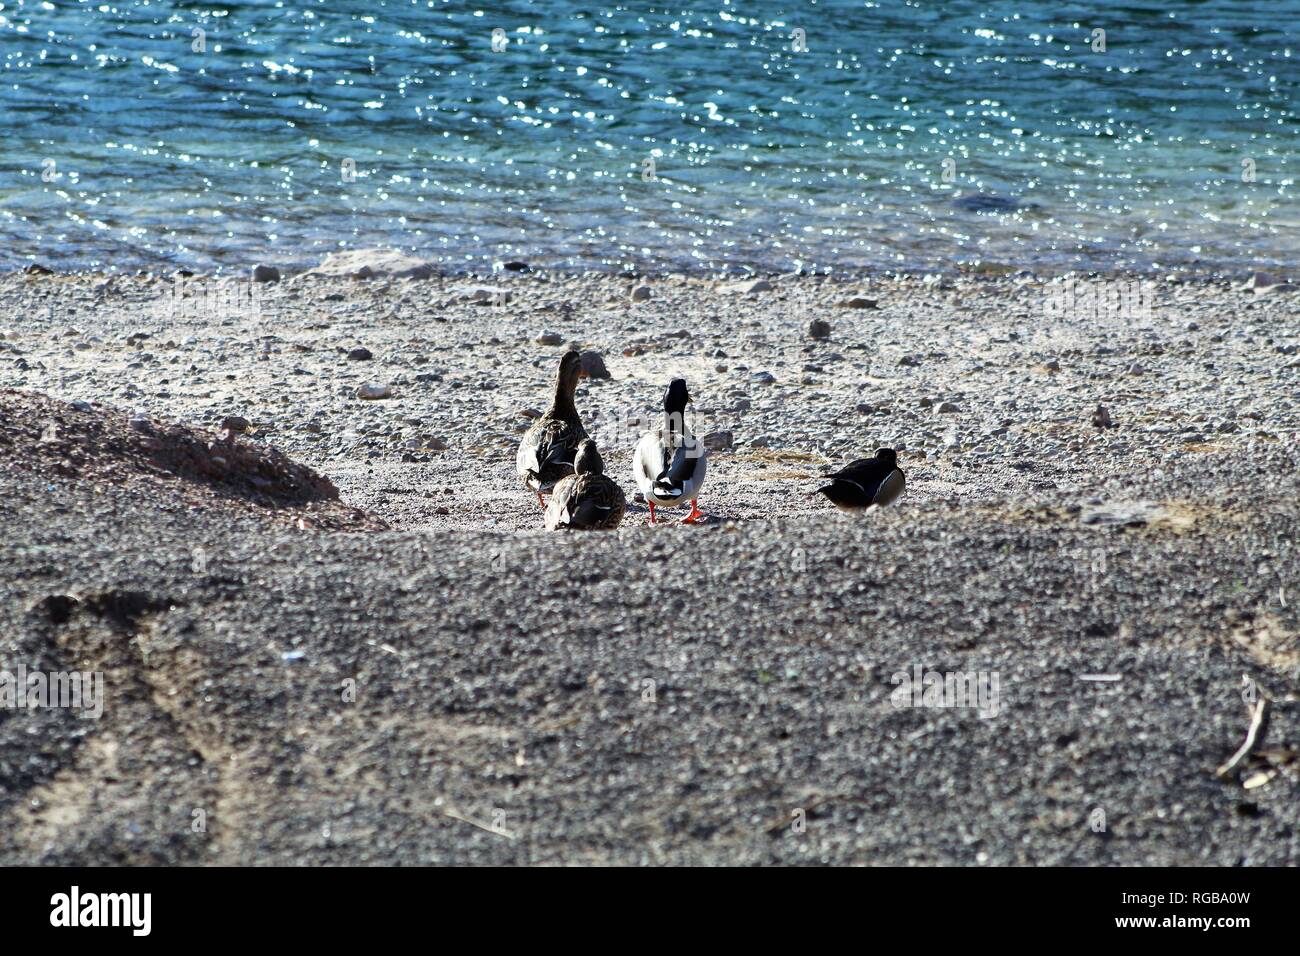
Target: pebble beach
pixel 991 387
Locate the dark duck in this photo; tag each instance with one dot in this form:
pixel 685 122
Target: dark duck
pixel 866 482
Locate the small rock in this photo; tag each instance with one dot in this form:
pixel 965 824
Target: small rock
pixel 550 338
pixel 235 423
pixel 435 444
pixel 762 378
pixel 819 329
pixel 641 293
pixel 1101 417
pixel 858 302
pixel 593 365
pixel 516 266
pixel 1136 369
pixel 360 355
pixel 266 274
pixel 910 360
pixel 530 413
pixel 373 391
pixel 487 295
pixel 946 408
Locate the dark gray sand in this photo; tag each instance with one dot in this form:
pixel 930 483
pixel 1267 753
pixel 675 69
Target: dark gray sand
pixel 287 682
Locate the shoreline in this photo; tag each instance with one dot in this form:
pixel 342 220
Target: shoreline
pixel 1211 273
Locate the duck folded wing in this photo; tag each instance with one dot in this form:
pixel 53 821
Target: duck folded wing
pixel 549 444
pixel 673 479
pixel 854 470
pixel 849 488
pixel 589 513
pixel 648 460
pixel 682 467
pixel 562 503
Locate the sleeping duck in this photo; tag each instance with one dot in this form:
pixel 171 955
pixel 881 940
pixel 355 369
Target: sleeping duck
pixel 548 448
pixel 866 482
pixel 669 464
pixel 588 499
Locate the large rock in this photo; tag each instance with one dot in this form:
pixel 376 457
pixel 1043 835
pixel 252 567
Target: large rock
pixel 373 264
pixel 1264 283
pixel 719 441
pixel 749 287
pixel 593 365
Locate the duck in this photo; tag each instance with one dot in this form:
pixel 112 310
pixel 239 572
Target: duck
pixel 866 482
pixel 670 463
pixel 587 500
pixel 547 450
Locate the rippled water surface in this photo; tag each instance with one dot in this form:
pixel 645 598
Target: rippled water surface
pixel 652 136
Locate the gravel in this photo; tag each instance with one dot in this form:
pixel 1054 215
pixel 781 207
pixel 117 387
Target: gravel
pixel 465 687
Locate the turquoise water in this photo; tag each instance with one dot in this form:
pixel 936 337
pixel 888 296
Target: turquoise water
pixel 891 134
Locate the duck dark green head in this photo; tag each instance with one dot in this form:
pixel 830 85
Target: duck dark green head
pixel 676 397
pixel 588 460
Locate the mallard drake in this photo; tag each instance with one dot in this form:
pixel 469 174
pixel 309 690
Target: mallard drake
pixel 866 482
pixel 548 448
pixel 670 463
pixel 588 499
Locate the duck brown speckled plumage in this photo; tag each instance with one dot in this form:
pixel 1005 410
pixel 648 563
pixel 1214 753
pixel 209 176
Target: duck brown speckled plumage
pixel 547 451
pixel 587 500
